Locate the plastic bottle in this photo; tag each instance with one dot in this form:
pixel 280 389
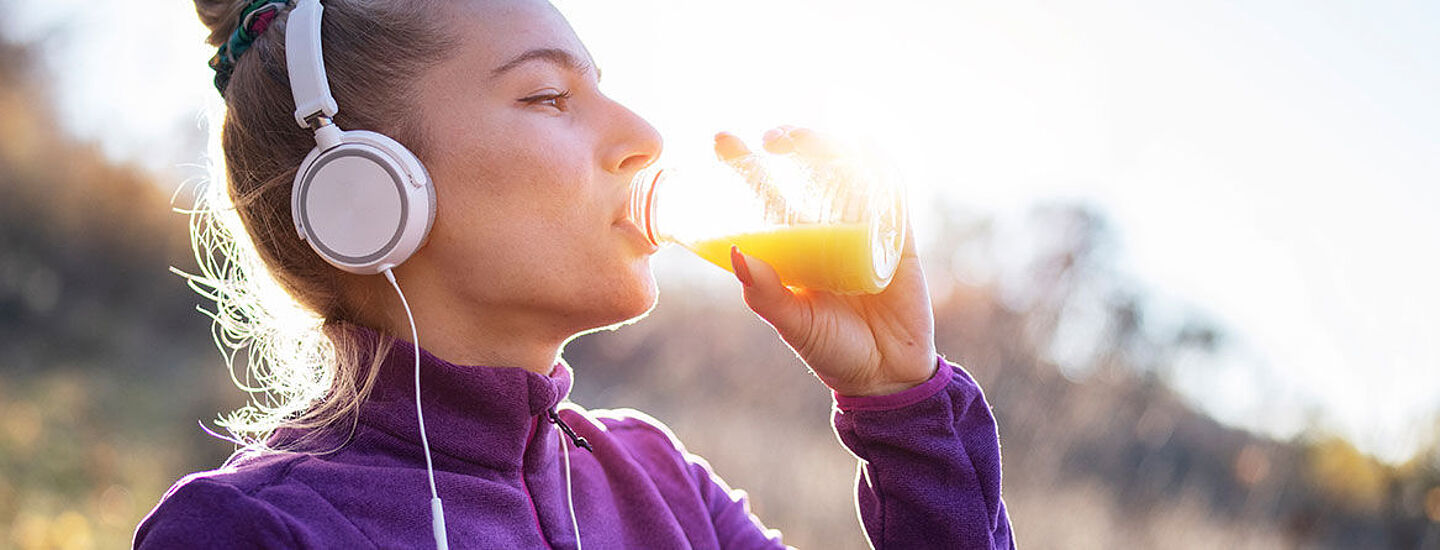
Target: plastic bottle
pixel 837 225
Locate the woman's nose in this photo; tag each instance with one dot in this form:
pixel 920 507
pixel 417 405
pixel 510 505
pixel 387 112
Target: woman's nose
pixel 635 143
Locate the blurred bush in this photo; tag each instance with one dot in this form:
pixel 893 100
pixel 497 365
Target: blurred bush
pixel 105 369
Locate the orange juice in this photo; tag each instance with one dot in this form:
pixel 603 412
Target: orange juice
pixel 831 257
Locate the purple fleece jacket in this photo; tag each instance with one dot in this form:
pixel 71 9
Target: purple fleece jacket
pixel 930 477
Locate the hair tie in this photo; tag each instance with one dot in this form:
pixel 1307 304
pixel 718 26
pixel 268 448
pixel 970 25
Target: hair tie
pixel 254 19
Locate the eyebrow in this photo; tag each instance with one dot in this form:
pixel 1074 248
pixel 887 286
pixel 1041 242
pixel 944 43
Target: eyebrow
pixel 556 56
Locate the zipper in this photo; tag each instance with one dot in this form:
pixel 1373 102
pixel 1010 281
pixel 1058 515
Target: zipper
pixel 574 438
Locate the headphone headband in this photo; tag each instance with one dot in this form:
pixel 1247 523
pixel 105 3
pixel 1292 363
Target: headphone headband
pixel 362 200
pixel 306 65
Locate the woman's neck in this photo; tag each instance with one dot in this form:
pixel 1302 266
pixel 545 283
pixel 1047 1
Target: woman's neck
pixel 453 332
pixel 497 343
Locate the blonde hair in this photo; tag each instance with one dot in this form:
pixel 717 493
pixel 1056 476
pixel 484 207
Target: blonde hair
pixel 288 332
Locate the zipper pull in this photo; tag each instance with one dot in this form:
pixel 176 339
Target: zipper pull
pixel 579 441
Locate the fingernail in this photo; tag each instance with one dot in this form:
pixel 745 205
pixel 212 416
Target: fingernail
pixel 773 134
pixel 742 269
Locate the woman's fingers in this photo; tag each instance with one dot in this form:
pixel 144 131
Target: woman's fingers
pixel 729 148
pixel 766 295
pixel 777 140
pixel 732 151
pixel 808 149
pixel 804 142
pixel 781 140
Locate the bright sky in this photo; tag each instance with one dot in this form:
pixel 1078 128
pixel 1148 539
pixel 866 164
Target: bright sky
pixel 1275 164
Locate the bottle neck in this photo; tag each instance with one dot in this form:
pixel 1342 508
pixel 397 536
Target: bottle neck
pixel 642 202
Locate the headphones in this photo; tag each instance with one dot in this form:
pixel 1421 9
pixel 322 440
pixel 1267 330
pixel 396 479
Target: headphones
pixel 364 203
pixel 361 199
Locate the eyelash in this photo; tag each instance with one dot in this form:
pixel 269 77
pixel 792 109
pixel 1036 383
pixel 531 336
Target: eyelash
pixel 556 100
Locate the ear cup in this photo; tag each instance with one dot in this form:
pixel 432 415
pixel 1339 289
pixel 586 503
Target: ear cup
pixel 365 205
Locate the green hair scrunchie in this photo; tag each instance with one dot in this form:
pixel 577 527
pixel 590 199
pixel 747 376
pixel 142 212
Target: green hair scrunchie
pixel 254 19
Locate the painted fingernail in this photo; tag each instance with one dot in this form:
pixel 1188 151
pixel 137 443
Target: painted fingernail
pixel 742 269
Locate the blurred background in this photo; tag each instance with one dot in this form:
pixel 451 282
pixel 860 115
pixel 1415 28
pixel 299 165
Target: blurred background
pixel 1188 249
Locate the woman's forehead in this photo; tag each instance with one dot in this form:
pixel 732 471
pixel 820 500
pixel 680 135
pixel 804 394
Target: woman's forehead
pixel 499 33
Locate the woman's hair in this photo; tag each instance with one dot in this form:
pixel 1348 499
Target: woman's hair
pixel 306 364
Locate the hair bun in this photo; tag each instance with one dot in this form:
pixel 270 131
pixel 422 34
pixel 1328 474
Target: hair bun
pixel 221 16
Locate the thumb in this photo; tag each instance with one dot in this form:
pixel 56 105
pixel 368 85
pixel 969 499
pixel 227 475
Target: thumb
pixel 766 296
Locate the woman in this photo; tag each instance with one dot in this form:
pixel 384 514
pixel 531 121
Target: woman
pixel 530 245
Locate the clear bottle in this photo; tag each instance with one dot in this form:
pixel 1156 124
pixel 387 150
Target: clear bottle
pixel 837 225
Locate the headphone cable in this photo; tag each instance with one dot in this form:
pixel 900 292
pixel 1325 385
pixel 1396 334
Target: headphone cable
pixel 437 512
pixel 569 493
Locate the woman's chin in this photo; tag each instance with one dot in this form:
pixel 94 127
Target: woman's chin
pixel 625 303
pixel 639 300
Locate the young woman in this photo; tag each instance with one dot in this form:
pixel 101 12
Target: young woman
pixel 530 245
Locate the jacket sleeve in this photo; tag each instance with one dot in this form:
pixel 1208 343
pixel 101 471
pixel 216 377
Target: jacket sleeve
pixel 728 510
pixel 203 513
pixel 735 526
pixel 929 464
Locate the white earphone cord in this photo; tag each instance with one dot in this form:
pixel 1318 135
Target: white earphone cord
pixel 437 512
pixel 569 495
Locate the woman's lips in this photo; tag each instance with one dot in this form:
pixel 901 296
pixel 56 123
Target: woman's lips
pixel 633 231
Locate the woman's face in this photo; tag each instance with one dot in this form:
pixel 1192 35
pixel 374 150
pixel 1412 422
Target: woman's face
pixel 532 166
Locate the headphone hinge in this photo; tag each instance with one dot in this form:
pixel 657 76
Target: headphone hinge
pixel 317 120
pixel 327 134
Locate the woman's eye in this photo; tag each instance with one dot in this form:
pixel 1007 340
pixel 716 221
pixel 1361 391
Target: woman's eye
pixel 558 100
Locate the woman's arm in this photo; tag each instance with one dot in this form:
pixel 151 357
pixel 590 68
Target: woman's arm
pixel 929 451
pixel 929 464
pixel 872 344
pixel 201 513
pixel 663 458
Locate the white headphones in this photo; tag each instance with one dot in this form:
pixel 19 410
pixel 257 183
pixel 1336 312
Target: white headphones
pixel 364 202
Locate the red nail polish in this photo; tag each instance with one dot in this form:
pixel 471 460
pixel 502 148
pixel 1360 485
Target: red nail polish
pixel 742 269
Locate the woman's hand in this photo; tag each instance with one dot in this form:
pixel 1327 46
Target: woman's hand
pixel 873 344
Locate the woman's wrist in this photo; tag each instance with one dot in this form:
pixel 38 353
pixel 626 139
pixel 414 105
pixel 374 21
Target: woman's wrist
pixel 890 387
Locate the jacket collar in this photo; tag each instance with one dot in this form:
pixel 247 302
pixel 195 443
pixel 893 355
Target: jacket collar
pixel 476 414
